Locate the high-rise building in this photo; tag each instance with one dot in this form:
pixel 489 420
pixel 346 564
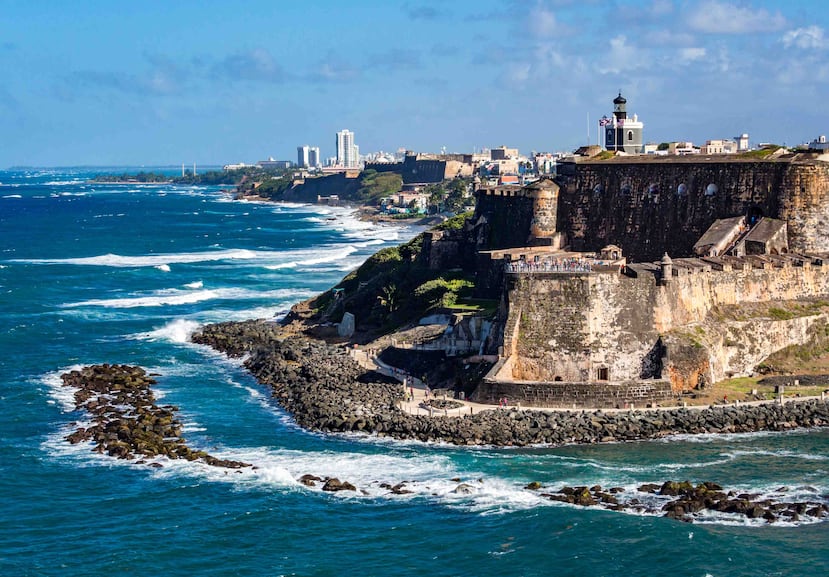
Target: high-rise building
pixel 302 156
pixel 314 158
pixel 348 154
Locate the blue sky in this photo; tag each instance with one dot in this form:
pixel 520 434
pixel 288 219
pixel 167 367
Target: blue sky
pixel 116 82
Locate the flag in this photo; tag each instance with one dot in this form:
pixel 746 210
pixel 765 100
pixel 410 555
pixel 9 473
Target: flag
pixel 604 121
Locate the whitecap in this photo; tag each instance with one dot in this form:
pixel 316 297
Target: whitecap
pixel 116 260
pixel 64 396
pixel 195 285
pixel 163 267
pixel 177 331
pixel 174 297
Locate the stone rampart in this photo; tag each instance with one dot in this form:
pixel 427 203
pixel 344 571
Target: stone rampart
pixel 601 328
pixel 650 206
pixel 575 395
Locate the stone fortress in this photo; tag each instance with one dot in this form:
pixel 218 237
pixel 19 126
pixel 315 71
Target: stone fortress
pixel 634 279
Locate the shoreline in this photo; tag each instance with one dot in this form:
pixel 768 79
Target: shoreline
pixel 325 389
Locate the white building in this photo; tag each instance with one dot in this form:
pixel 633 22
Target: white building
pixel 819 143
pixel 348 153
pixel 719 147
pixel 302 154
pixel 682 148
pixel 314 158
pixel 742 142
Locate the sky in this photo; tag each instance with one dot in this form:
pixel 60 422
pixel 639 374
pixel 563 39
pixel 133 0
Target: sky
pixel 114 82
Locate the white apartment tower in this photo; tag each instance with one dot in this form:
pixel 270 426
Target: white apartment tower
pixel 314 159
pixel 348 154
pixel 302 156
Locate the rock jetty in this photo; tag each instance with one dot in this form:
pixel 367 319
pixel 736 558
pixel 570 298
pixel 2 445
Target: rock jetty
pixel 126 422
pixel 324 389
pixel 684 501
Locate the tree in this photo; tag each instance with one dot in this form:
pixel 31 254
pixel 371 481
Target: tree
pixel 389 298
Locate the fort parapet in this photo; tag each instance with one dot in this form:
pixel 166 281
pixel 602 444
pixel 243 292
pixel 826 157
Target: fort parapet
pixel 652 205
pixel 627 334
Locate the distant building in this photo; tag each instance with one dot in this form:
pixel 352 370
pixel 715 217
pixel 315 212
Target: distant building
pixel 819 143
pixel 719 147
pixel 623 134
pixel 503 153
pixel 308 156
pixel 742 142
pixel 682 148
pixel 302 154
pixel 237 166
pixel 314 158
pixel 348 153
pixel 274 164
pixel 545 162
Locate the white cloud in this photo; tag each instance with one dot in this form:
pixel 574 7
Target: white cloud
pixel 622 56
pixel 662 7
pixel 690 54
pixel 810 38
pixel 717 17
pixel 543 22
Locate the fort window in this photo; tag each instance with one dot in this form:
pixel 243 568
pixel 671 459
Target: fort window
pixel 630 135
pixel 682 189
pixel 603 374
pixel 711 189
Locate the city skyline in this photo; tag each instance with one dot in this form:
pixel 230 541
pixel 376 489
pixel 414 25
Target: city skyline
pixel 161 83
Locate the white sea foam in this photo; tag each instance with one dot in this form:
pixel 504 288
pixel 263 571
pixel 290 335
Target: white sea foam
pixel 12 196
pixel 271 260
pixel 115 260
pixel 281 266
pixel 177 331
pixel 312 257
pixel 195 285
pixel 64 396
pixel 174 297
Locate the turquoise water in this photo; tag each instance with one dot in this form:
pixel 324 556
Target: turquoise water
pixel 118 273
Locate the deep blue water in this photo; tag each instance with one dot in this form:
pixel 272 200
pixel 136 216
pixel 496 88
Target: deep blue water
pixel 116 273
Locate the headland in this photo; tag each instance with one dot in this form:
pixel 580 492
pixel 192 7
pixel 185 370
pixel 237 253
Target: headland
pixel 628 283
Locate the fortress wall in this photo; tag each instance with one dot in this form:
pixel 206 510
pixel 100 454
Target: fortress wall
pixel 569 395
pixel 568 326
pixel 805 206
pixel 610 327
pixel 509 218
pixel 688 298
pixel 652 206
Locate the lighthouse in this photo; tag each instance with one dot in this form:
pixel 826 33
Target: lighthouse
pixel 623 134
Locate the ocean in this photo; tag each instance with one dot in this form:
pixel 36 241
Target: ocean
pixel 95 273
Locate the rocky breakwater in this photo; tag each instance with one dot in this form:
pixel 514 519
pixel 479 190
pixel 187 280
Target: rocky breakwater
pixel 325 389
pixel 683 501
pixel 125 421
